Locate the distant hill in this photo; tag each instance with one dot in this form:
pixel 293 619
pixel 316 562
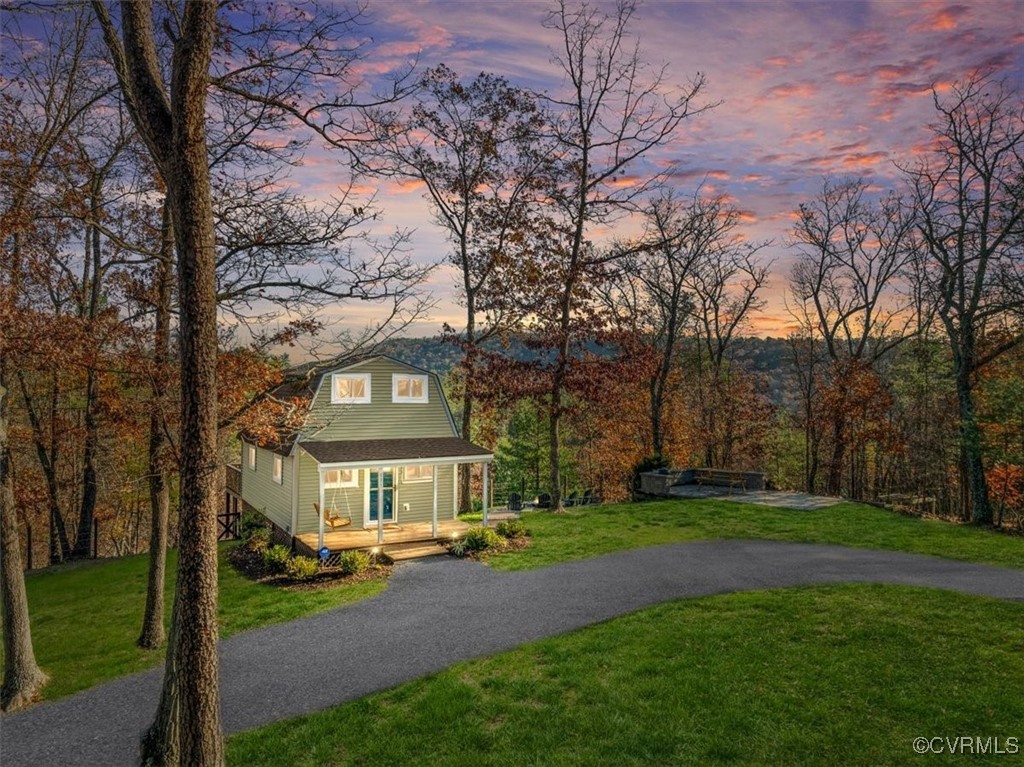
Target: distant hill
pixel 767 357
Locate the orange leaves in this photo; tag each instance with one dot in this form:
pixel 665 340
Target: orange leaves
pixel 1006 487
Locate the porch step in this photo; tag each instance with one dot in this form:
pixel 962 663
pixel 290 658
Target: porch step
pixel 401 551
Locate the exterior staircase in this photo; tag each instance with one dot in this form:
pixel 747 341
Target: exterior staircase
pixel 413 550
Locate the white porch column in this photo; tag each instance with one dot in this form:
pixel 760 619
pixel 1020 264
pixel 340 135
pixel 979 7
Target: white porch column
pixel 486 467
pixel 433 528
pixel 380 506
pixel 320 516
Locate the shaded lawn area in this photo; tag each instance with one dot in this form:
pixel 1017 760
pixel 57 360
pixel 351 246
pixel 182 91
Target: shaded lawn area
pixel 828 675
pixel 592 530
pixel 86 616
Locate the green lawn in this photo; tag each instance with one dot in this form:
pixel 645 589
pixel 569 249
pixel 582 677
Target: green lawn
pixel 592 530
pixel 809 676
pixel 87 616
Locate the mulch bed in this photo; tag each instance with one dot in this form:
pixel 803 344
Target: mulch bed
pixel 507 544
pixel 250 564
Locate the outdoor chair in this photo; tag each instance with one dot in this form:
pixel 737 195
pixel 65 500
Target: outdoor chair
pixel 542 501
pixel 515 502
pixel 573 499
pixel 588 497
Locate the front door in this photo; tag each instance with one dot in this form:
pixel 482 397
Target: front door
pixel 388 489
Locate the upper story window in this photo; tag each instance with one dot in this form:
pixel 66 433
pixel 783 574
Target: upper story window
pixel 408 388
pixel 340 478
pixel 252 456
pixel 278 469
pixel 350 388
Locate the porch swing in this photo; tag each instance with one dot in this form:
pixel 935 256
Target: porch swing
pixel 332 517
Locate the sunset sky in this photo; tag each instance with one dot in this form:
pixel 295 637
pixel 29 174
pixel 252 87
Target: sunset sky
pixel 807 89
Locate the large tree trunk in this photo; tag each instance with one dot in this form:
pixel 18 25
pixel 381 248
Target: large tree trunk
pixel 554 441
pixel 465 469
pixel 657 403
pixel 555 406
pixel 83 541
pixel 152 635
pixel 835 466
pixel 22 677
pixel 972 467
pixel 187 730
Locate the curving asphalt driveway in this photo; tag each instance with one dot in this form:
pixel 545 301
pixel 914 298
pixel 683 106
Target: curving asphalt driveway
pixel 440 611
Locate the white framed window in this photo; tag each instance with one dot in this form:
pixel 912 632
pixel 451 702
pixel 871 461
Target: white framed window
pixel 340 478
pixel 251 450
pixel 278 469
pixel 418 473
pixel 350 388
pixel 408 388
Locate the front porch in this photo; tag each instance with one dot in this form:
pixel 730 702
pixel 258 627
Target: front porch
pixel 366 538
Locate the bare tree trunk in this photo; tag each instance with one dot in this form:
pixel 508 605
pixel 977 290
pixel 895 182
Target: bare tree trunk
pixel 187 729
pixel 835 466
pixel 555 406
pixel 152 635
pixel 554 442
pixel 48 453
pixel 83 541
pixel 22 676
pixel 465 469
pixel 972 468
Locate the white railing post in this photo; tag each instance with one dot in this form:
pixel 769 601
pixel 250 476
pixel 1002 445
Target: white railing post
pixel 433 528
pixel 380 506
pixel 320 516
pixel 486 474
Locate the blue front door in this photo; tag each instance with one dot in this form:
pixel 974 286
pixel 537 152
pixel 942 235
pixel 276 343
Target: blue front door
pixel 389 495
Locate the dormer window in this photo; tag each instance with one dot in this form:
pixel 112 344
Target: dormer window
pixel 408 388
pixel 350 388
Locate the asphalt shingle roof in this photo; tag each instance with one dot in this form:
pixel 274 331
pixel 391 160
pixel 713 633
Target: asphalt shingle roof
pixel 393 450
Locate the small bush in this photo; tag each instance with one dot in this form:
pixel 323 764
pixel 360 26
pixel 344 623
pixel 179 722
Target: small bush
pixel 457 548
pixel 258 540
pixel 301 568
pixel 481 538
pixel 354 562
pixel 511 528
pixel 250 523
pixel 275 559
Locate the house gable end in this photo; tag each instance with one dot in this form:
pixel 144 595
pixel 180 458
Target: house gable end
pixel 378 416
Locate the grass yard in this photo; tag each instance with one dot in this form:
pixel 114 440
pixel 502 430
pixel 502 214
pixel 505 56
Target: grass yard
pixel 810 676
pixel 87 616
pixel 592 530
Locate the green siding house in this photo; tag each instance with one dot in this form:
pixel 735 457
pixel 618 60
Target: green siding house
pixel 374 461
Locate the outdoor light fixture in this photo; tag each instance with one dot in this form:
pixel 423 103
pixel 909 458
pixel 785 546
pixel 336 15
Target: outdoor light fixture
pixel 375 550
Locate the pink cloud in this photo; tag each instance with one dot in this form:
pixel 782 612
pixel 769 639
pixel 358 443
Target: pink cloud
pixel 942 20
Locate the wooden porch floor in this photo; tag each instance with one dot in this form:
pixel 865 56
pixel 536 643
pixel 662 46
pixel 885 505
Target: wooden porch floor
pixel 365 538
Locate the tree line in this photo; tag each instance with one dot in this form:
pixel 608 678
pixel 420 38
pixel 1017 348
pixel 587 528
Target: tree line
pixel 156 259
